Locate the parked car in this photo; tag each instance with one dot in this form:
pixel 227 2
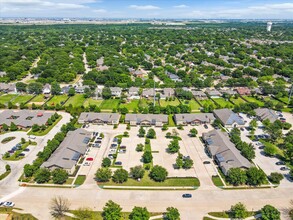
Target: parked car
pixel 261 147
pixel 280 163
pixel 242 129
pixel 122 151
pixel 26 149
pixel 32 137
pixel 206 162
pixel 87 163
pixel 11 151
pixel 115 139
pixel 123 147
pixel 186 195
pixel 112 150
pixel 8 204
pixel 89 159
pixel 18 145
pixel 283 119
pixel 284 168
pixel 205 126
pixel 119 163
pixel 21 155
pixel 97 145
pixel 113 145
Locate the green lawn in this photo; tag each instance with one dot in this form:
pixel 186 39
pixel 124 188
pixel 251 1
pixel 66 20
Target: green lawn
pixel 6 98
pixel 109 104
pixel 274 101
pixel 57 99
pixel 145 102
pixel 165 103
pixel 21 99
pixel 133 104
pixel 91 101
pixel 195 107
pixel 80 180
pixel 223 103
pixel 146 181
pixel 76 100
pixel 237 101
pixel 39 98
pixel 217 181
pixel 252 99
pixel 285 99
pixel 207 101
pixel 16 215
pixel 171 122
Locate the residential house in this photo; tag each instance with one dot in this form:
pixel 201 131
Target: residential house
pixel 133 93
pixel 199 95
pixel 223 151
pixel 265 113
pixel 146 119
pixel 2 74
pixel 24 118
pixel 167 93
pixel 173 77
pixel 138 73
pixel 194 119
pixel 148 93
pixel 65 89
pixel 69 151
pixel 81 89
pixel 227 91
pixel 213 93
pixel 8 88
pixel 98 92
pixel 228 118
pixel 224 78
pixel 99 118
pixel 47 89
pixel 116 91
pixel 243 90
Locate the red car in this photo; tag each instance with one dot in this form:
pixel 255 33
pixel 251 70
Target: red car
pixel 89 159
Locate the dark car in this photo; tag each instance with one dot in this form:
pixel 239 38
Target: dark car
pixel 187 195
pixel 280 163
pixel 205 126
pixel 261 147
pixel 21 155
pixel 242 129
pixel 11 151
pixel 284 168
pixel 26 149
pixel 119 163
pixel 206 162
pixel 122 147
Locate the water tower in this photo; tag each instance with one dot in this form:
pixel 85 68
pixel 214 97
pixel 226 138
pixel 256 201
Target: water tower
pixel 269 26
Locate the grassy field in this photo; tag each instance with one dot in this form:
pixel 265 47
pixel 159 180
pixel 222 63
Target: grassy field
pixel 223 103
pixel 207 101
pixel 274 101
pixel 16 215
pixel 39 98
pixel 57 99
pixel 76 100
pixel 171 121
pixel 133 104
pixel 195 107
pixel 165 103
pixel 21 99
pixel 237 101
pixel 217 181
pixel 285 99
pixel 80 180
pixel 91 101
pixel 6 98
pixel 252 99
pixel 109 104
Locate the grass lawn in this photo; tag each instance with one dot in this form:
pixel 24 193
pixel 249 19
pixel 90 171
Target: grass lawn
pixel 223 103
pixel 91 101
pixel 165 103
pixel 21 99
pixel 274 101
pixel 6 98
pixel 252 99
pixel 57 99
pixel 207 101
pixel 80 180
pixel 109 104
pixel 217 181
pixel 42 133
pixel 171 122
pixel 195 107
pixel 16 215
pixel 285 99
pixel 145 102
pixel 146 181
pixel 76 100
pixel 39 98
pixel 133 104
pixel 237 101
pixel 277 150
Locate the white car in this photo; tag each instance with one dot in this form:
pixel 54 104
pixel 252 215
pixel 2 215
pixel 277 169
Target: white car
pixel 87 163
pixel 8 204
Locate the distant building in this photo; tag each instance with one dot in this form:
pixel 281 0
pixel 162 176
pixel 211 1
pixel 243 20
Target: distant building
pixel 99 118
pixel 265 113
pixel 199 95
pixel 224 152
pixel 116 91
pixel 228 118
pixel 213 93
pixel 47 89
pixel 8 88
pixel 80 89
pixel 269 26
pixel 194 119
pixel 243 90
pixel 148 93
pixel 167 93
pixel 146 119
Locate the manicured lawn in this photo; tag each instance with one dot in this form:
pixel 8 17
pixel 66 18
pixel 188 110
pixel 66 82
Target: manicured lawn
pixel 16 215
pixel 109 104
pixel 274 101
pixel 21 99
pixel 76 100
pixel 145 102
pixel 6 98
pixel 165 103
pixel 146 181
pixel 91 101
pixel 171 121
pixel 223 103
pixel 38 98
pixel 80 180
pixel 42 133
pixel 133 104
pixel 252 99
pixel 8 139
pixel 217 181
pixel 285 99
pixel 237 101
pixel 207 101
pixel 195 107
pixel 57 99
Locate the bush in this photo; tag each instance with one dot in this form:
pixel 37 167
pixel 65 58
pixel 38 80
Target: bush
pixel 139 147
pixel 275 177
pixel 239 211
pixel 173 147
pixel 139 213
pixel 137 172
pixel 158 173
pixel 172 214
pixel 106 162
pixel 59 176
pixel 112 211
pixel 269 212
pixel 151 133
pixel 103 174
pixel 42 175
pixel 147 157
pixel 120 176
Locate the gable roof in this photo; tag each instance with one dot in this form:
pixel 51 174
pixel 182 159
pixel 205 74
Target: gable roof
pixel 203 117
pixel 146 117
pixel 92 116
pixel 265 113
pixel 228 117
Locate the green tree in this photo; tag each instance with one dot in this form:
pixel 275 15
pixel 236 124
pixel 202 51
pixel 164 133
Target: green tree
pixel 5 127
pixel 106 93
pixel 141 132
pixel 147 157
pixel 120 176
pixel 269 212
pixel 151 133
pixel 187 163
pixel 21 87
pixel 172 214
pixel 112 211
pixel 106 162
pixel 276 177
pixel 255 176
pixel 193 132
pixel 35 88
pixel 28 170
pixel 13 127
pixel 71 91
pixel 55 88
pixel 139 147
pixel 270 150
pixel 139 213
pixel 59 176
pixel 137 172
pixel 173 147
pixel 35 128
pixel 239 211
pixel 103 174
pixel 42 175
pixel 236 176
pixel 179 160
pixel 158 173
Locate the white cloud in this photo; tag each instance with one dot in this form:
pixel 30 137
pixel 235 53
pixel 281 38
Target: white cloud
pixel 180 6
pixel 144 7
pixel 100 11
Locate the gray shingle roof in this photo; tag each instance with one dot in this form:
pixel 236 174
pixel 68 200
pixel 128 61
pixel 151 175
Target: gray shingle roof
pixel 92 116
pixel 152 118
pixel 228 117
pixel 265 113
pixel 188 118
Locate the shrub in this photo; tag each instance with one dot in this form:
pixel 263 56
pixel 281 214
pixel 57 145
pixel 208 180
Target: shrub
pixel 158 173
pixel 120 176
pixel 275 177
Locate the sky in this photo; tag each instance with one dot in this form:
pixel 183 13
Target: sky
pixel 150 9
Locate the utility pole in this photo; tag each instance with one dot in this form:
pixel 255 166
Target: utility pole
pixel 154 94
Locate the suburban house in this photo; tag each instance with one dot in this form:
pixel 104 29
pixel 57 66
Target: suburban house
pixel 167 93
pixel 138 73
pixel 80 89
pixel 227 91
pixel 173 77
pixel 228 118
pixel 98 92
pixel 47 89
pixel 2 74
pixel 199 95
pixel 99 118
pixel 224 77
pixel 69 151
pixel 194 119
pixel 24 118
pixel 65 89
pixel 8 88
pixel 265 113
pixel 146 119
pixel 148 93
pixel 133 93
pixel 223 151
pixel 243 90
pixel 116 91
pixel 213 93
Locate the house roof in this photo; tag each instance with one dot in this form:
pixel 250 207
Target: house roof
pixel 70 149
pixel 198 93
pixel 224 150
pixel 146 117
pixel 203 117
pixel 148 92
pixel 213 92
pixel 265 113
pixel 228 117
pixel 133 90
pixel 115 89
pixel 93 116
